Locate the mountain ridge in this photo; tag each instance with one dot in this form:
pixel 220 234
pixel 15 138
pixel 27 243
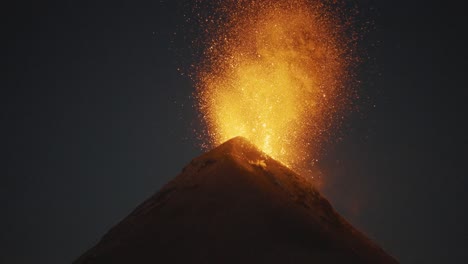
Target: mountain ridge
pixel 235 204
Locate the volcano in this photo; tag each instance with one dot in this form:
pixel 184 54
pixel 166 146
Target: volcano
pixel 235 204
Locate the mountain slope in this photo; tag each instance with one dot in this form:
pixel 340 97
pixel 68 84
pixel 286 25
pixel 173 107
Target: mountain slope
pixel 234 204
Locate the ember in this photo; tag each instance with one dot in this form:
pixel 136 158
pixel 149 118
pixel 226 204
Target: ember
pixel 274 73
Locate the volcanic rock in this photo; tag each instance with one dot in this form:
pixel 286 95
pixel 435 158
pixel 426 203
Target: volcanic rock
pixel 235 204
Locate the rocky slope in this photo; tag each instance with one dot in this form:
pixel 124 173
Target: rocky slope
pixel 234 204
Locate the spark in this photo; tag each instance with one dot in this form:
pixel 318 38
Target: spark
pixel 274 73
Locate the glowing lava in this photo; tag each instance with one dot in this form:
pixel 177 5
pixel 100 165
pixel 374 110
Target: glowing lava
pixel 273 72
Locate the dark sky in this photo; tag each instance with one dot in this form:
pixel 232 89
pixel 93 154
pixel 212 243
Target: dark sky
pixel 96 118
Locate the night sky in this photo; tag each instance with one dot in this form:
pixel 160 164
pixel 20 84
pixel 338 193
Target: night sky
pixel 96 118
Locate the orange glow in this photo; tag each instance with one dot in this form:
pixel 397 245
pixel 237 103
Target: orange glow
pixel 273 72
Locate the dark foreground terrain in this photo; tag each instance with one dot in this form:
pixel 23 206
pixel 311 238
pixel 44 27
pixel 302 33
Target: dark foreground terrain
pixel 235 204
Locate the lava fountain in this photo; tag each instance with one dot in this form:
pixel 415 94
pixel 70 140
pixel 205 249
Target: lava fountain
pixel 274 72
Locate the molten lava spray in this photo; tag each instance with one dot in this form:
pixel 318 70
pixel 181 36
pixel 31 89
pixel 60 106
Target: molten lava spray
pixel 274 73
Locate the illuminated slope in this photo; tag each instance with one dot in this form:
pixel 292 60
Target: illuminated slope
pixel 234 204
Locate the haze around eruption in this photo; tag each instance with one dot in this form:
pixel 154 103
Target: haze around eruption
pixel 276 73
